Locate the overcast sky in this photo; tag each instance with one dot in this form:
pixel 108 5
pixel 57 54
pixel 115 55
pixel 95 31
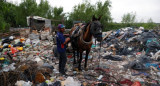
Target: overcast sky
pixel 144 9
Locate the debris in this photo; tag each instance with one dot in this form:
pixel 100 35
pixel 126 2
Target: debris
pixel 128 56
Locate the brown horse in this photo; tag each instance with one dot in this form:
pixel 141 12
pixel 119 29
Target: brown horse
pixel 83 41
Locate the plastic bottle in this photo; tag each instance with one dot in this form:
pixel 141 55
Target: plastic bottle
pixel 100 77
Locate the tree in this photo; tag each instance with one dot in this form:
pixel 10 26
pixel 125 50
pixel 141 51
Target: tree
pixel 103 9
pixel 58 15
pixel 43 9
pixel 2 22
pixel 82 12
pixel 29 7
pixel 129 19
pixel 50 13
pixel 26 8
pixel 15 15
pixel 150 24
pixel 7 15
pixel 85 11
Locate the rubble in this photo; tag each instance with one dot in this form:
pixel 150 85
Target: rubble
pixel 126 57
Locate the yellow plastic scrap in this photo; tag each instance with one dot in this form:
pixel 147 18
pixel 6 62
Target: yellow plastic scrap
pixel 20 48
pixel 22 39
pixel 1 46
pixel 2 58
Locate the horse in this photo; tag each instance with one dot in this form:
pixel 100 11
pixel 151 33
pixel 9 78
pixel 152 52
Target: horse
pixel 83 41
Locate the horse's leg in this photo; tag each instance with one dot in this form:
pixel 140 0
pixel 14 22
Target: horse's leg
pixel 86 58
pixel 80 60
pixel 74 60
pixel 77 55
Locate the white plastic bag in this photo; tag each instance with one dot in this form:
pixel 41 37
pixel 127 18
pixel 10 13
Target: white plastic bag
pixel 23 83
pixel 70 82
pixel 28 41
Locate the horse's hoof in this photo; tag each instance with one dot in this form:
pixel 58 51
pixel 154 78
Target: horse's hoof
pixel 74 61
pixel 86 69
pixel 75 69
pixel 79 69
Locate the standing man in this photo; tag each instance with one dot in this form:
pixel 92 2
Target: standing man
pixel 61 47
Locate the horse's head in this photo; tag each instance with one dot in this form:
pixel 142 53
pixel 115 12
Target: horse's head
pixel 96 28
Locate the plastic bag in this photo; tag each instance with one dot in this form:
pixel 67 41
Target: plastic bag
pixel 33 36
pixel 23 83
pixel 28 41
pixel 35 42
pixel 70 82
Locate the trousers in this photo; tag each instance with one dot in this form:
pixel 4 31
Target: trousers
pixel 62 61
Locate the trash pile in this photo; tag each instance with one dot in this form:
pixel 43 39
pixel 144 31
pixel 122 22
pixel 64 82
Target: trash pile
pixel 125 57
pixel 137 51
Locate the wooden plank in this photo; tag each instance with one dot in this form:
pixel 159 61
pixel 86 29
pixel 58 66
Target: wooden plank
pixel 108 33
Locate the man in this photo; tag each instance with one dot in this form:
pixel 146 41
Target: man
pixel 61 47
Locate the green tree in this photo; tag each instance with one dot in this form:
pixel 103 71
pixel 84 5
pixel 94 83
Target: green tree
pixel 50 13
pixel 129 19
pixel 9 13
pixel 7 16
pixel 103 9
pixel 15 15
pixel 82 12
pixel 43 9
pixel 2 22
pixel 150 24
pixel 58 15
pixel 29 7
pixel 26 8
pixel 85 11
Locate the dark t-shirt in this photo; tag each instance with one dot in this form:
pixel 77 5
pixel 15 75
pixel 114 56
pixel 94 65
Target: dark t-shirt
pixel 60 42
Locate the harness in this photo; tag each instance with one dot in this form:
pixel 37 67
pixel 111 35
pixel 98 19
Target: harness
pixel 76 32
pixel 81 37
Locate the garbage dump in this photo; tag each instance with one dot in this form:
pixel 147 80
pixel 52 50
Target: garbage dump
pixel 126 57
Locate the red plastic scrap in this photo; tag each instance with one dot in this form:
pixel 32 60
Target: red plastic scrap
pixel 136 83
pixel 69 56
pixel 126 81
pixel 138 53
